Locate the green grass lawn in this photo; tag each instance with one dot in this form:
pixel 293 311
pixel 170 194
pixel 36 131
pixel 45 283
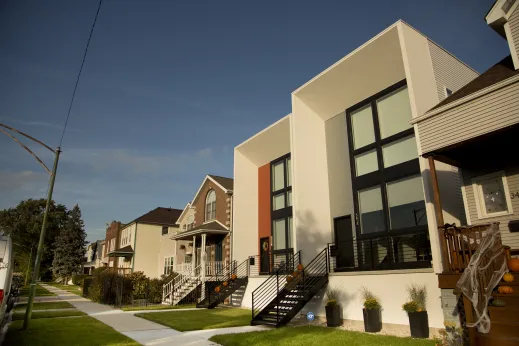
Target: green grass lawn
pixel 45 306
pixel 160 307
pixel 322 336
pixel 200 319
pixel 40 292
pixel 69 288
pixel 19 315
pixel 81 331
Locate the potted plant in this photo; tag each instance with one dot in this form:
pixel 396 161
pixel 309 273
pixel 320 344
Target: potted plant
pixel 417 312
pixel 333 307
pixel 371 311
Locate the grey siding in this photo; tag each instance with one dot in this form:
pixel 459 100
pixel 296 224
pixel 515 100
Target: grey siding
pixel 485 114
pixel 511 239
pixel 448 70
pixel 513 21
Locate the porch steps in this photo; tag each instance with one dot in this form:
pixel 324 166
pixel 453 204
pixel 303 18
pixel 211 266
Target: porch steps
pixel 504 327
pixel 213 299
pixel 292 296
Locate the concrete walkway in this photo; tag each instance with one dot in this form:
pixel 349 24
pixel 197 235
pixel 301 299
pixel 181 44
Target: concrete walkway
pixel 141 330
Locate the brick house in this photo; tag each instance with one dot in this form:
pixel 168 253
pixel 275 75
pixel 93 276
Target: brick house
pixel 111 243
pixel 210 230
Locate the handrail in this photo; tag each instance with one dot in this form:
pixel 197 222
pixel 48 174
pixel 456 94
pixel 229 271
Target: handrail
pixel 263 294
pixel 177 282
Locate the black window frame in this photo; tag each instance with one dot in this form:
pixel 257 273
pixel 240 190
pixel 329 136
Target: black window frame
pixel 165 228
pixel 382 176
pixel 283 213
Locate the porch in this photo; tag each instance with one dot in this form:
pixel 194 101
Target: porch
pixel 206 257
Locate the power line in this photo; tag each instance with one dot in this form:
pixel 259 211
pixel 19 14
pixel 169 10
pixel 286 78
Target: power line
pixel 79 74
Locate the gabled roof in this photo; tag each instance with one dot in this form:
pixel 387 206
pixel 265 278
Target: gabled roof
pixel 497 73
pixel 159 216
pixel 226 184
pixel 186 208
pixel 211 225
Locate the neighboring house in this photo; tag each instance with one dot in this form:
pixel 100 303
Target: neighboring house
pixel 206 223
pixel 93 256
pixel 142 244
pixel 339 184
pixel 111 241
pixel 476 129
pixel 203 242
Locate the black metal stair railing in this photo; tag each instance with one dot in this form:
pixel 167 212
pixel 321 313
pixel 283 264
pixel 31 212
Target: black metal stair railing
pixel 269 290
pixel 232 275
pixel 313 273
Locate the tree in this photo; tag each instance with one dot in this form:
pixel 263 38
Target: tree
pixel 70 246
pixel 23 224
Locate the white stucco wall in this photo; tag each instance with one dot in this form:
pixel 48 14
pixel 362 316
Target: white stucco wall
pixel 254 282
pixel 311 199
pixel 339 171
pixel 245 205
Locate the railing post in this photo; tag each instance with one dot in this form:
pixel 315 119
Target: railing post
pixel 327 259
pixel 371 255
pixel 252 305
pixel 277 298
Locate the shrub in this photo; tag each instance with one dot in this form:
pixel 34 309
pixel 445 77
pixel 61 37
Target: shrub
pixel 410 307
pixel 108 286
pixel 77 279
pixel 418 294
pixel 99 270
pixel 139 284
pixel 332 296
pixel 155 291
pixel 370 300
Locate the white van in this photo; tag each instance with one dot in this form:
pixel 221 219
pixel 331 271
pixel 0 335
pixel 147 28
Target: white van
pixel 6 272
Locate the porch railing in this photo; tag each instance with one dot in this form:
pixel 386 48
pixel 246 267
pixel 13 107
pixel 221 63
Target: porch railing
pixel 270 264
pixel 214 267
pixel 124 271
pixel 458 245
pixel 388 252
pixel 184 268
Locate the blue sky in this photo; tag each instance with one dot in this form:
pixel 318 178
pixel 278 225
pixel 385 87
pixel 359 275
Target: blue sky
pixel 170 87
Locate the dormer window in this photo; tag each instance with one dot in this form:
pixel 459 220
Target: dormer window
pixel 210 206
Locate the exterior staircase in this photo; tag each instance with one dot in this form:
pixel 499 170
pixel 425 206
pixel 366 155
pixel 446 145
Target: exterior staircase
pixel 180 287
pixel 224 283
pixel 278 300
pixel 504 321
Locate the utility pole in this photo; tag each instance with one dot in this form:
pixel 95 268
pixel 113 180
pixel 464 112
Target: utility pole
pixel 28 268
pixel 39 252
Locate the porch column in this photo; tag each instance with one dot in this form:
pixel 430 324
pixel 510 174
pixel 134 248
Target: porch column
pixel 204 255
pixel 436 192
pixel 193 257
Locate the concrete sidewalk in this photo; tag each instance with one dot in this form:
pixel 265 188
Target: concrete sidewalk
pixel 141 330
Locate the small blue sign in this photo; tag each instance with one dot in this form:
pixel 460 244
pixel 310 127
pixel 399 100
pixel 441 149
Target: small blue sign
pixel 310 316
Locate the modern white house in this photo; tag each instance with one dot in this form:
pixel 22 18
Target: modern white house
pixel 341 179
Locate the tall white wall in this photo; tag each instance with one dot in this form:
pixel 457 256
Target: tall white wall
pixel 339 171
pixel 245 205
pixel 423 95
pixel 311 204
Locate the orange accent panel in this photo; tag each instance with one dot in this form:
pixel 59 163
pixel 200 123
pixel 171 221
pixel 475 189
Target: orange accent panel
pixel 264 222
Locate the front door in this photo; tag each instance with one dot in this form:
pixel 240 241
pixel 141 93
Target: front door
pixel 344 242
pixel 264 256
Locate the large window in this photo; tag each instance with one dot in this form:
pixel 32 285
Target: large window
pixel 168 265
pixel 210 206
pixel 281 212
pixel 387 184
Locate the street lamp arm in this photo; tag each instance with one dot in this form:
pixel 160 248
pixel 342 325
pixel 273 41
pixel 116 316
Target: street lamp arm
pixel 29 150
pixel 26 135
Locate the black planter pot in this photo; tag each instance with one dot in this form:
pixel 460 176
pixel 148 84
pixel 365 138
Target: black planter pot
pixel 419 324
pixel 372 320
pixel 333 316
